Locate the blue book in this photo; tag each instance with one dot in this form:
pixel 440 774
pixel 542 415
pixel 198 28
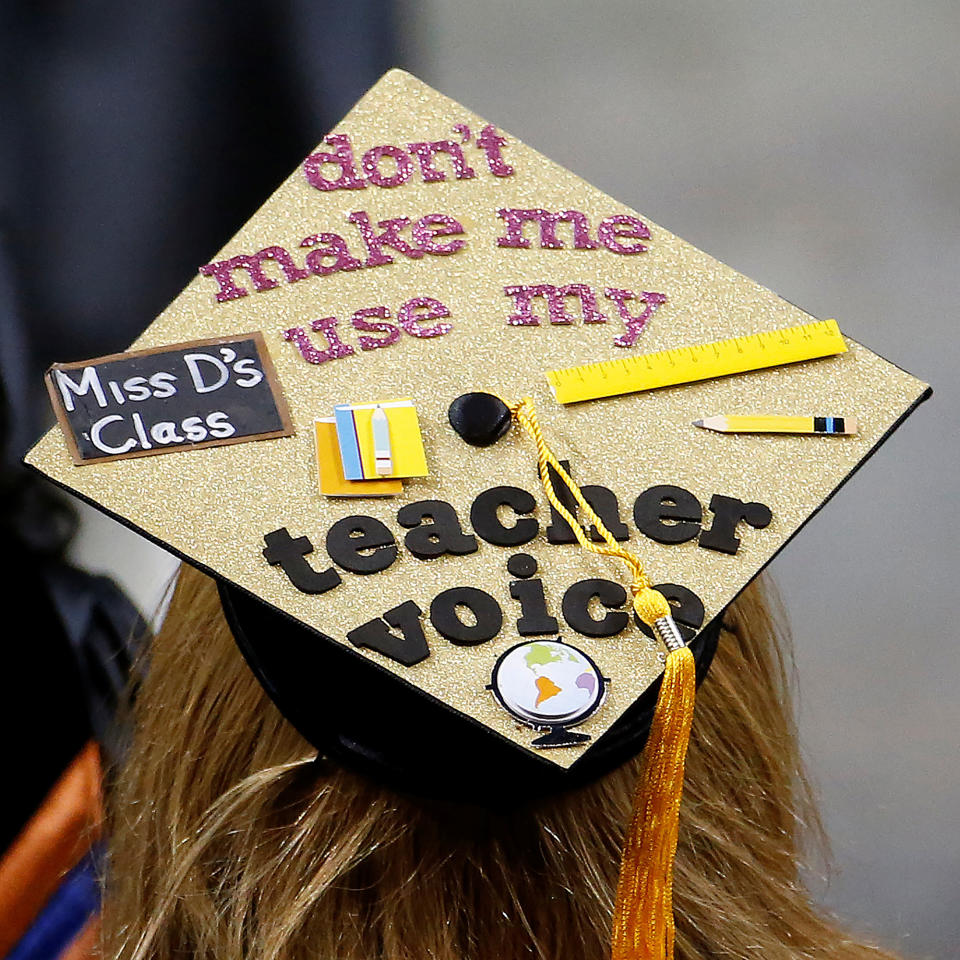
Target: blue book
pixel 348 441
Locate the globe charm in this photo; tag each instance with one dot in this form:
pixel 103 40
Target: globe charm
pixel 549 685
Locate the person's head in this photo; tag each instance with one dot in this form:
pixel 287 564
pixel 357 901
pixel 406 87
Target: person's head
pixel 361 510
pixel 233 839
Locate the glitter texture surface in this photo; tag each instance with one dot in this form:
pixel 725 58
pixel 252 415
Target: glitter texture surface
pixel 214 506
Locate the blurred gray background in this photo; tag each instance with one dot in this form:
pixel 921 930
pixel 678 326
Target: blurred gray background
pixel 814 147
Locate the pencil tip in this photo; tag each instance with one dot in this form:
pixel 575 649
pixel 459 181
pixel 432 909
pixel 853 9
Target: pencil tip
pixel 698 423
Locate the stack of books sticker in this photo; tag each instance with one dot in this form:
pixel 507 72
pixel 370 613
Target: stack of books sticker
pixel 367 449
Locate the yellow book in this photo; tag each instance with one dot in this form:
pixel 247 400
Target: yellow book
pixel 356 438
pixel 330 471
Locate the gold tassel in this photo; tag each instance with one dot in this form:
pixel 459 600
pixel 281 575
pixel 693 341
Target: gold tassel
pixel 643 925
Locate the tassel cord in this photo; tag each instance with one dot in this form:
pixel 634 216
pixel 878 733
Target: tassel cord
pixel 650 604
pixel 643 922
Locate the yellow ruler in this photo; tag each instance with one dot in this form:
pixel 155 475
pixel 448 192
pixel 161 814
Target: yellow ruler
pixel 772 348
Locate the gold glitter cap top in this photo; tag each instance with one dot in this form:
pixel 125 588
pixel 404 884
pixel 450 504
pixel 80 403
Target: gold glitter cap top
pixel 409 598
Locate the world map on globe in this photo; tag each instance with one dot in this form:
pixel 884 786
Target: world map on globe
pixel 548 682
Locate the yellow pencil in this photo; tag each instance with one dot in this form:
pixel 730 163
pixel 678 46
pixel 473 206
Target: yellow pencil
pixel 775 424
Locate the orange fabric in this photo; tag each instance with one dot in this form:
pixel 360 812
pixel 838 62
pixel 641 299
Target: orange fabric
pixel 86 944
pixel 54 840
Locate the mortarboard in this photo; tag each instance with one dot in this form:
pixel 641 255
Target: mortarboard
pixel 381 413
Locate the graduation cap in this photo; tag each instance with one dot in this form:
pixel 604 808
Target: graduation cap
pixel 414 415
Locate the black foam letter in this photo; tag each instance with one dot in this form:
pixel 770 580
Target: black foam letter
pixel 484 519
pixel 605 505
pixel 443 535
pixel 687 610
pixel 664 502
pixel 729 511
pixel 347 537
pixel 290 554
pixel 576 607
pixel 534 619
pixel 408 649
pixel 446 621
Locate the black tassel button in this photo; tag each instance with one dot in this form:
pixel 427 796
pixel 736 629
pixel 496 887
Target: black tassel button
pixel 479 418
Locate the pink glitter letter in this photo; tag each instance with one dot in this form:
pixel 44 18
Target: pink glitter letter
pixel 253 264
pixel 388 238
pixel 524 316
pixel 490 142
pixel 342 157
pixel 633 324
pixel 556 306
pixel 588 303
pixel 326 326
pixel 622 225
pixel 425 152
pixel 371 343
pixel 221 273
pixel 371 166
pixel 410 321
pixel 548 228
pixel 336 247
pixel 433 225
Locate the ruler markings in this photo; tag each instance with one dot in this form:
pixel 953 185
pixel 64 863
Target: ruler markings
pixel 689 364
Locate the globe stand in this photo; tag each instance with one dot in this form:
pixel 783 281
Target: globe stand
pixel 560 737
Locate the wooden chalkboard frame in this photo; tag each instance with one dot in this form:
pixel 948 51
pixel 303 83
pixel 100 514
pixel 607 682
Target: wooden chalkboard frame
pixel 269 372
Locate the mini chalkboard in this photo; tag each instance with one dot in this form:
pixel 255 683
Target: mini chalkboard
pixel 204 393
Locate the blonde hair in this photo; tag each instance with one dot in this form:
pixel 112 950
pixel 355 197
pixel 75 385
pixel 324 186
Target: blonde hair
pixel 231 841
